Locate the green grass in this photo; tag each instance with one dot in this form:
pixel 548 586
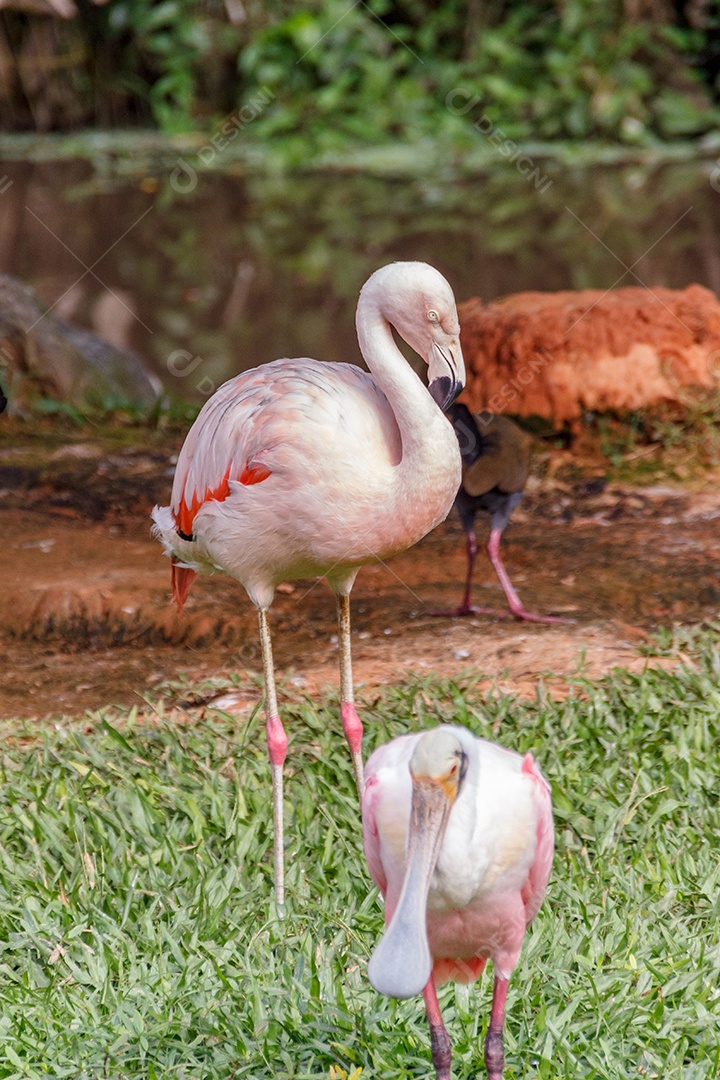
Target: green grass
pixel 138 937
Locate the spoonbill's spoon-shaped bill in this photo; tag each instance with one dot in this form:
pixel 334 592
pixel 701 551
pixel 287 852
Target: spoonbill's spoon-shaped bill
pixel 401 964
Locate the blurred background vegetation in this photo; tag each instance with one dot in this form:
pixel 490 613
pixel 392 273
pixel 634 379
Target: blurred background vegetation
pixel 339 72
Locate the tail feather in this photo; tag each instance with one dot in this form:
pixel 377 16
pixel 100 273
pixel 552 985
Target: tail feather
pixel 182 579
pixel 462 971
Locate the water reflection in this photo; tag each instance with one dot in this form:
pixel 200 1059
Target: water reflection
pixel 242 270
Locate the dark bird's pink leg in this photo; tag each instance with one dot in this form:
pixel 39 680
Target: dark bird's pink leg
pixel 466 608
pixel 514 602
pixel 494 1051
pixel 439 1038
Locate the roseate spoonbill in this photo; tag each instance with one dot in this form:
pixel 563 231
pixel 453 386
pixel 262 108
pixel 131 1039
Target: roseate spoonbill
pixel 300 468
pixel 495 467
pixel 458 836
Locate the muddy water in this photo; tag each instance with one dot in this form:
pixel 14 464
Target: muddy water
pixel 241 270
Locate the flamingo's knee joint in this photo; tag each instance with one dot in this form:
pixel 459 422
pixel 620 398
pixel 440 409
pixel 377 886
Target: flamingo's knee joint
pixel 277 740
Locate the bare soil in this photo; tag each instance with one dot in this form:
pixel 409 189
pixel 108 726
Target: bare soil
pixel 86 619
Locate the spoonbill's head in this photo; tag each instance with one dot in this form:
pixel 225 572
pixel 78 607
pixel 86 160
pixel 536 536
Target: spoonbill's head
pixel 439 763
pixel 401 964
pixel 417 300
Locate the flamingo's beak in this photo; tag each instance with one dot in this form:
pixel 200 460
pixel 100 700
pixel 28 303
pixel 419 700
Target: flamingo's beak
pixel 446 371
pixel 401 964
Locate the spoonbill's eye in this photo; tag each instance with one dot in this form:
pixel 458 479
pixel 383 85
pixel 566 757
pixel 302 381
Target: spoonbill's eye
pixel 433 315
pixel 454 769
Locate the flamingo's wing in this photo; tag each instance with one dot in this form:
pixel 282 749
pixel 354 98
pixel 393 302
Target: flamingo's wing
pixel 225 443
pixel 284 417
pixel 534 888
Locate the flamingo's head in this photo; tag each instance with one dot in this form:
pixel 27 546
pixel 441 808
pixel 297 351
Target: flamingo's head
pixel 417 300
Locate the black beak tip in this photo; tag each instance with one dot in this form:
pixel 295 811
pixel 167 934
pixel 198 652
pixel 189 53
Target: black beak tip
pixel 444 391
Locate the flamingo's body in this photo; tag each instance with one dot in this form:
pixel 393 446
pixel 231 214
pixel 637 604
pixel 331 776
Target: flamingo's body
pixel 301 468
pixel 458 836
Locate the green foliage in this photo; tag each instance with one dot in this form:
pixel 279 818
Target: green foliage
pixel 343 73
pixel 172 55
pixel 138 936
pixel 655 445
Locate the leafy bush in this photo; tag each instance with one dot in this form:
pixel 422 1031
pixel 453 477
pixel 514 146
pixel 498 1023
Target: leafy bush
pixel 380 71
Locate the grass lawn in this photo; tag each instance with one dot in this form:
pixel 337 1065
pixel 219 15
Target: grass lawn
pixel 138 937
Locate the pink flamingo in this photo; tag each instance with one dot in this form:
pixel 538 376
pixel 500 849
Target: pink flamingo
pixel 458 836
pixel 300 468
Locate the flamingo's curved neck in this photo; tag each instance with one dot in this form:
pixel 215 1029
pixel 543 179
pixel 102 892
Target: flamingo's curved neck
pixel 414 409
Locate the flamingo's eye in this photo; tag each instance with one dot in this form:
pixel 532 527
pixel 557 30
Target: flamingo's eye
pixel 433 315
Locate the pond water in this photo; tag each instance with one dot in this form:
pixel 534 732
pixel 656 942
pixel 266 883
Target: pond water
pixel 239 270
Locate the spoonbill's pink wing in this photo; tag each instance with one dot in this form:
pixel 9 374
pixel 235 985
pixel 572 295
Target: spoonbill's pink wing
pixel 539 874
pixel 371 835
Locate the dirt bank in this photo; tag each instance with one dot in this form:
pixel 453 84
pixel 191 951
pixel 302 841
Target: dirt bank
pixel 86 621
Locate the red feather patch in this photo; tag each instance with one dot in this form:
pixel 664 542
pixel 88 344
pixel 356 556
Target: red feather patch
pixel 254 473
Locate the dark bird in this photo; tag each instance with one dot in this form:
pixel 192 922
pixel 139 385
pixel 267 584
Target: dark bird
pixel 495 466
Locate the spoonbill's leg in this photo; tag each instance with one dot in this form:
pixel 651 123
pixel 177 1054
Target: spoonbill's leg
pixel 514 602
pixel 494 1052
pixel 277 749
pixel 351 723
pixel 439 1038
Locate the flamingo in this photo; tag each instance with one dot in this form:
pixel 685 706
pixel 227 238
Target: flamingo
pixel 458 836
pixel 496 464
pixel 300 468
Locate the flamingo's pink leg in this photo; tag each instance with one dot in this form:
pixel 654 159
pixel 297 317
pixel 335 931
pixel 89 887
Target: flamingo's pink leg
pixel 439 1038
pixel 352 725
pixel 494 1051
pixel 277 743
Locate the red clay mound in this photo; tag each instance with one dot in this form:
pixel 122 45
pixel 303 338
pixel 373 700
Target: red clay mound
pixel 557 355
